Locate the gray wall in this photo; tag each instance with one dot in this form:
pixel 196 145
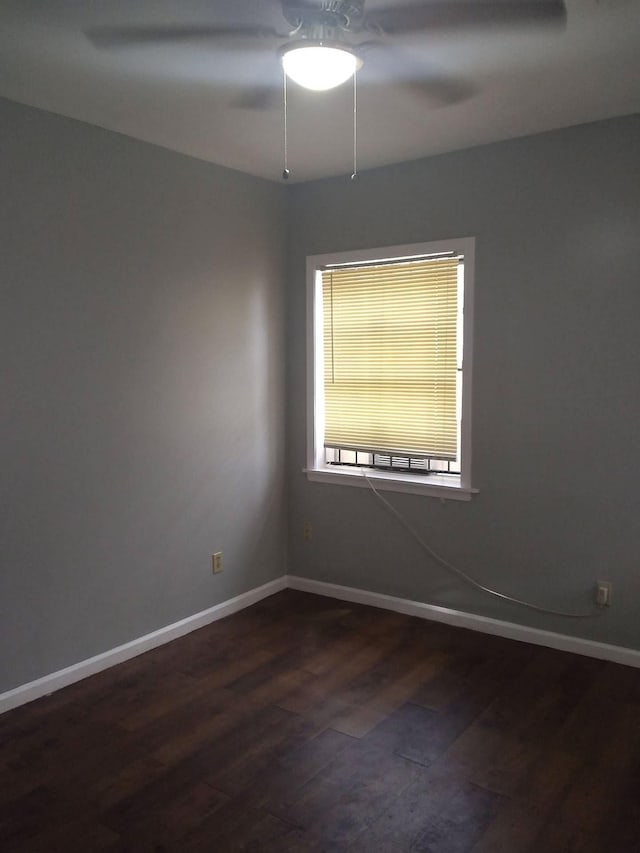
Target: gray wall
pixel 556 379
pixel 142 368
pixel 141 344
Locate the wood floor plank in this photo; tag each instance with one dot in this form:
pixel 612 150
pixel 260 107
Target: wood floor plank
pixel 380 625
pixel 514 829
pixel 307 724
pixel 203 732
pixel 108 789
pixel 161 813
pixel 235 827
pixel 392 691
pixel 546 781
pixel 422 735
pixel 438 812
pixel 620 828
pixel 134 695
pixel 349 659
pixel 230 763
pixel 500 746
pixel 347 796
pixel 169 703
pixel 43 819
pixel 582 813
pixel 72 758
pixel 473 668
pixel 276 787
pixel 78 833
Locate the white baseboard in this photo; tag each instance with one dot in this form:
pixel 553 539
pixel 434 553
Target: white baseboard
pixel 63 677
pixel 563 642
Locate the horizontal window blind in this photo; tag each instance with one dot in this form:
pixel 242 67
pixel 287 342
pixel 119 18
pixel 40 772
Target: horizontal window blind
pixel 390 357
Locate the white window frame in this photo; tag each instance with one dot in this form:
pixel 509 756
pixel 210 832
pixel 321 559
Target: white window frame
pixel 450 486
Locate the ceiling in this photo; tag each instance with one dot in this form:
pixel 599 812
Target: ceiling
pixel 188 96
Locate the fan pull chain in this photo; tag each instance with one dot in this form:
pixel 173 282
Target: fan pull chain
pixel 285 171
pixel 354 174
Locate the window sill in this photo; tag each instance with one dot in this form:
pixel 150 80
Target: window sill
pixel 440 486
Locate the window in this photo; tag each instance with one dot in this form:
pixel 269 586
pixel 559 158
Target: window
pixel 390 334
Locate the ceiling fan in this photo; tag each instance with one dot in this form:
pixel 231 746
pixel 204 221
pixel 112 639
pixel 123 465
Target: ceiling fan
pixel 322 43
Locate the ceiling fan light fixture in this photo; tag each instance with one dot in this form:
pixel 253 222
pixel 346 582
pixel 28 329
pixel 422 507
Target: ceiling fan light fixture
pixel 319 67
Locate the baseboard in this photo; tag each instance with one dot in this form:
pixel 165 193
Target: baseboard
pixel 63 677
pixel 484 624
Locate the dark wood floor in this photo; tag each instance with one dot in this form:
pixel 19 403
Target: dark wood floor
pixel 306 724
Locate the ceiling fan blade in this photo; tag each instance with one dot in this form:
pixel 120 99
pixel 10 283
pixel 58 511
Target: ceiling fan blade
pixel 440 15
pixel 440 91
pixel 412 73
pixel 114 37
pixel 260 98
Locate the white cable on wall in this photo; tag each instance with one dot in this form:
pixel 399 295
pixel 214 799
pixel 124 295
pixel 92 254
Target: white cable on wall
pixel 463 575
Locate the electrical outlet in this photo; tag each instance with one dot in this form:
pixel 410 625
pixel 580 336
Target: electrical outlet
pixel 603 593
pixel 307 530
pixel 216 562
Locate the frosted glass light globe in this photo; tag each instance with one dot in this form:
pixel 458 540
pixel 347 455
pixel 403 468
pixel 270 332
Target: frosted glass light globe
pixel 318 67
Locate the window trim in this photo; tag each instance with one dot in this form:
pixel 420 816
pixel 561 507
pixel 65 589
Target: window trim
pixel 442 486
